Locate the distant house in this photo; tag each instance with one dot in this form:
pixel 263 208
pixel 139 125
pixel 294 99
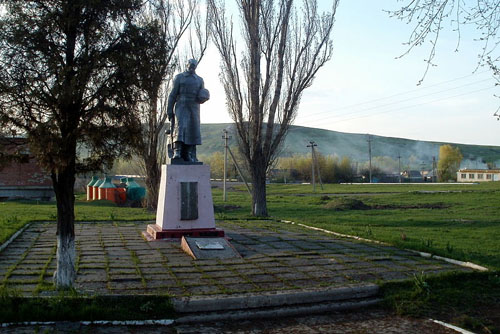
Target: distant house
pixel 412 176
pixel 478 175
pixel 429 176
pixel 22 177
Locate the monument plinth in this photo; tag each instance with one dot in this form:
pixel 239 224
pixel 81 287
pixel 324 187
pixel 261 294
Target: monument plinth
pixel 185 206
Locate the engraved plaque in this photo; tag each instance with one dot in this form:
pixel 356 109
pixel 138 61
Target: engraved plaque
pixel 209 244
pixel 189 200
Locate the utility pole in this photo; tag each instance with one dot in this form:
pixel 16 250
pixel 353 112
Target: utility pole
pixel 370 155
pixel 315 159
pixel 226 137
pixel 399 167
pixel 434 172
pixel 312 144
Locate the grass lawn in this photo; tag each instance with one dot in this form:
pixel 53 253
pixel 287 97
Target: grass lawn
pixel 15 214
pixel 456 221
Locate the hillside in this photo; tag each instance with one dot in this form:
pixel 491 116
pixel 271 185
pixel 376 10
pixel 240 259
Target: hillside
pixel 355 146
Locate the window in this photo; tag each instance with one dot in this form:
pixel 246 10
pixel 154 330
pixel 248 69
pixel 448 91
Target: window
pixel 480 176
pixel 488 176
pixel 463 176
pixel 471 176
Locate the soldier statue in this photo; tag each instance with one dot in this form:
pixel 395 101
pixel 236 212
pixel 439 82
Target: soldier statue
pixel 183 112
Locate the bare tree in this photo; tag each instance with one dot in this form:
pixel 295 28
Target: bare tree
pixel 431 17
pixel 284 47
pixel 157 61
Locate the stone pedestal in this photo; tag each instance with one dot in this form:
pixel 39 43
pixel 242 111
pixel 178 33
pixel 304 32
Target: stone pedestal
pixel 185 205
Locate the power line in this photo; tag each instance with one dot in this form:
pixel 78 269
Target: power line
pixel 402 93
pixel 400 101
pixel 409 106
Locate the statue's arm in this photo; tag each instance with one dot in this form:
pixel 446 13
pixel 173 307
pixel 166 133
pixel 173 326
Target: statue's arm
pixel 172 98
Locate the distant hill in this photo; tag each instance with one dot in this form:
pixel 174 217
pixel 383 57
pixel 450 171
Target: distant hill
pixel 355 146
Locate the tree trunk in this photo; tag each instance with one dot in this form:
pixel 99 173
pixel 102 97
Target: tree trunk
pixel 63 182
pixel 153 175
pixel 259 203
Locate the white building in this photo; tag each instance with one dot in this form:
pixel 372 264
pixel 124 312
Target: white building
pixel 478 175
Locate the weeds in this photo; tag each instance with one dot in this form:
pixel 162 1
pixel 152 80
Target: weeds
pixel 12 220
pixel 71 306
pixel 449 247
pixel 420 284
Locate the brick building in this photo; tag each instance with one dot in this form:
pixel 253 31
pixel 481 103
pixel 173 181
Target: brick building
pixel 22 177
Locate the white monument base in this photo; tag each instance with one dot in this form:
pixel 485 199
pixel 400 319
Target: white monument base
pixel 185 205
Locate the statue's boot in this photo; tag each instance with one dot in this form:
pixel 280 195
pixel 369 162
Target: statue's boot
pixel 192 153
pixel 177 150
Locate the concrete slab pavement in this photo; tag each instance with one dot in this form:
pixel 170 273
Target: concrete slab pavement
pixel 281 263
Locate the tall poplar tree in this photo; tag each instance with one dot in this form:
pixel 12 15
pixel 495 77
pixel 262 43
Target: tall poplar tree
pixel 284 44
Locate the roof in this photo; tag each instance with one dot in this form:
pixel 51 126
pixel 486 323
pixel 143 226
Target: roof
pixel 466 170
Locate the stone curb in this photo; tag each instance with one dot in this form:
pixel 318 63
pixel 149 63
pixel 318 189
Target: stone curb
pixel 160 322
pixel 13 237
pixel 455 328
pixel 278 312
pixel 223 303
pixel 422 254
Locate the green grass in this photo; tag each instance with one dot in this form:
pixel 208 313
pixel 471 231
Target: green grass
pixel 456 221
pixel 470 300
pixel 15 214
pixel 69 306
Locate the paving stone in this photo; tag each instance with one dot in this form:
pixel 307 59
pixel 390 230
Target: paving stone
pixel 295 275
pixel 27 288
pixel 121 263
pixel 188 275
pixel 185 262
pixel 160 283
pixel 24 278
pixel 241 287
pixel 261 278
pixel 118 253
pixel 393 275
pixel 26 272
pixel 266 262
pixel 183 269
pixel 92 286
pixel 92 252
pixel 214 267
pixel 128 283
pixel 200 281
pixel 92 259
pixel 364 277
pixel 95 265
pixel 229 280
pixel 274 286
pixel 256 271
pixel 278 269
pixel 203 289
pixel 220 273
pixel 157 269
pixel 98 276
pixel 122 271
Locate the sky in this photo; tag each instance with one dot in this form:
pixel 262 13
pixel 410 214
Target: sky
pixel 367 88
